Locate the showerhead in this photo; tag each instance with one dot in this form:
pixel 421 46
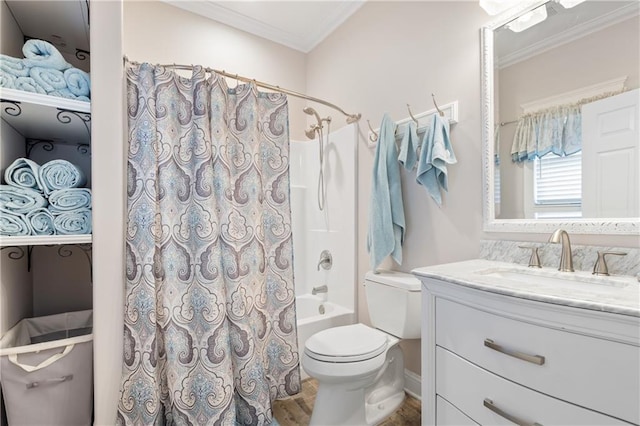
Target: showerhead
pixel 311 111
pixel 311 132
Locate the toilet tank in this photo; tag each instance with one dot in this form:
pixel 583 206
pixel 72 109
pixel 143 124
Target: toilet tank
pixel 394 302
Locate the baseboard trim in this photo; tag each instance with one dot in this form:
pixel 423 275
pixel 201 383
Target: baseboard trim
pixel 413 384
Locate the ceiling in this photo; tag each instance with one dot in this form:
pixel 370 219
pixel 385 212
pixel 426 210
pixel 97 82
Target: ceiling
pixel 300 25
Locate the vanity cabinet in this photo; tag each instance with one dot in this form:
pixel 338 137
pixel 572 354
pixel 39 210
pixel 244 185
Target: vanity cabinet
pixel 491 358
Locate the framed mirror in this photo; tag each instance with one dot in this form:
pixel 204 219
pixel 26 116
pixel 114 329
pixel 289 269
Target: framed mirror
pixel 561 117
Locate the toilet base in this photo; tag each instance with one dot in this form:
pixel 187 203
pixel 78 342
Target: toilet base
pixel 361 400
pixel 376 413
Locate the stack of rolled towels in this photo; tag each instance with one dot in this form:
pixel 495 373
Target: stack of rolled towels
pixel 44 70
pixel 44 200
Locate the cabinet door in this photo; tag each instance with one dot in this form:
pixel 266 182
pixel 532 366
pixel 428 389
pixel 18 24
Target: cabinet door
pixel 491 400
pixel 448 415
pixel 580 369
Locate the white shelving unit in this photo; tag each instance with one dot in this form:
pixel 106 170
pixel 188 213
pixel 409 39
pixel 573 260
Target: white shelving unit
pixel 52 120
pixel 50 274
pixel 69 19
pixel 44 240
pixel 41 116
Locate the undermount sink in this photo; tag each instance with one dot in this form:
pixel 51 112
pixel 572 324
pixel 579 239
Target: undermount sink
pixel 541 276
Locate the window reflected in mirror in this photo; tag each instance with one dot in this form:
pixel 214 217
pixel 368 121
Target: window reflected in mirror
pixel 566 106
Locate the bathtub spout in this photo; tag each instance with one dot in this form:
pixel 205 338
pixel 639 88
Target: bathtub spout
pixel 320 289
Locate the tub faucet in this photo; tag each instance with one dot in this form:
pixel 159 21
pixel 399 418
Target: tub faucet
pixel 319 289
pixel 566 259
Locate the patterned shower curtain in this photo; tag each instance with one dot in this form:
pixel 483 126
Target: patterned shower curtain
pixel 210 324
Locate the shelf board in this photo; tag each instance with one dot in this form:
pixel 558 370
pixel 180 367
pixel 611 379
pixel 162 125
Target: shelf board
pixel 47 117
pixel 44 240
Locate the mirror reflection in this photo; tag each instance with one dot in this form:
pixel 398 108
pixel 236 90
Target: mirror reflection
pixel 566 108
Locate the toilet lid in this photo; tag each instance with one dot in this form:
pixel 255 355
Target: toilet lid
pixel 349 343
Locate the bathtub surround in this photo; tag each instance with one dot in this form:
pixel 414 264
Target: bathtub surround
pixel 332 229
pixel 584 257
pixel 209 252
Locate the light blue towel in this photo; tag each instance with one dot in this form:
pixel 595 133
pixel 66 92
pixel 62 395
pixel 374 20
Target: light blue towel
pixel 39 53
pixel 49 79
pixel 386 212
pixel 78 82
pixel 60 174
pixel 13 224
pixel 63 93
pixel 409 147
pixel 7 80
pixel 64 200
pixel 66 93
pixel 73 222
pixel 436 153
pixel 40 221
pixel 20 200
pixel 23 173
pixel 28 84
pixel 13 66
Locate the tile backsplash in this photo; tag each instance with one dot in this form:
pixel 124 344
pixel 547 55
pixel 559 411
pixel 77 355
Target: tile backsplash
pixel 584 257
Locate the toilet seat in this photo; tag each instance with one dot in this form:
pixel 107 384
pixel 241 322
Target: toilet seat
pixel 351 343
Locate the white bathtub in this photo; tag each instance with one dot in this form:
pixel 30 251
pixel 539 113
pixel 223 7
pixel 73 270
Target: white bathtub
pixel 311 321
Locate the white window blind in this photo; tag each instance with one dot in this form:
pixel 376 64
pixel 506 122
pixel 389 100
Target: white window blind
pixel 558 180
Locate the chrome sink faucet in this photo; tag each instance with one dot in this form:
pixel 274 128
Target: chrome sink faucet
pixel 566 258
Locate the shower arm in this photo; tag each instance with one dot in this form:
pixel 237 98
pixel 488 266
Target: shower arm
pixel 351 118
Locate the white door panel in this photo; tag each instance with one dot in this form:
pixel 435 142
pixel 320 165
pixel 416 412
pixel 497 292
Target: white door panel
pixel 611 156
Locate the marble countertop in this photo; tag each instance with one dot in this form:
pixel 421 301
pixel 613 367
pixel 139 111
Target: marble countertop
pixel 614 294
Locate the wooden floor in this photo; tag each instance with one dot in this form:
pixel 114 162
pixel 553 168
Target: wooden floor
pixel 296 411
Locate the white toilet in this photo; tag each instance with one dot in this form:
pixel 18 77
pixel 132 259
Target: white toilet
pixel 360 370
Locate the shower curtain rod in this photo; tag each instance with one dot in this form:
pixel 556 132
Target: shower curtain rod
pixel 351 118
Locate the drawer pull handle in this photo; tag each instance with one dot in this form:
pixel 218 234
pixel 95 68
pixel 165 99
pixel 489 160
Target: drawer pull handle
pixel 534 359
pixel 489 404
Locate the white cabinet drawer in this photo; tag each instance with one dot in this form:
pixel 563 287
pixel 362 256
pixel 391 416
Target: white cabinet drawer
pixel 468 386
pixel 448 415
pixel 583 370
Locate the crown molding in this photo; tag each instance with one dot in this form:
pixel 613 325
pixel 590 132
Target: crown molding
pixel 301 42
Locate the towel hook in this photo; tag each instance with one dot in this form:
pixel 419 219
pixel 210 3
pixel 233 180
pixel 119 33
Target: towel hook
pixel 436 105
pixel 375 135
pixel 411 115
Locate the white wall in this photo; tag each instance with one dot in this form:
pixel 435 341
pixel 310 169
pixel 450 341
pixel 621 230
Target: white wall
pixel 12 39
pixel 109 190
pixel 389 54
pixel 160 33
